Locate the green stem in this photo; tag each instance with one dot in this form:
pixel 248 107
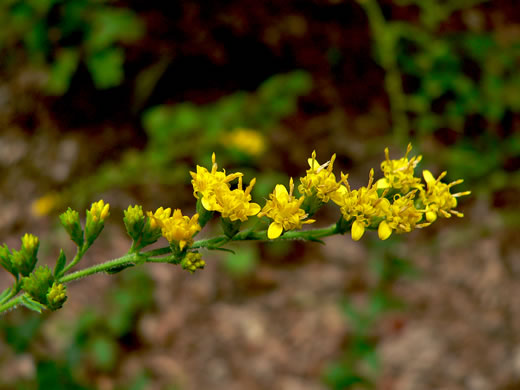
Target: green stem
pixel 11 304
pixel 152 255
pixel 79 255
pixel 129 258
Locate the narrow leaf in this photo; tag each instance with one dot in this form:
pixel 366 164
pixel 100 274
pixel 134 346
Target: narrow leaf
pixel 60 264
pixel 5 293
pixel 32 304
pixel 216 248
pixel 313 239
pixel 119 268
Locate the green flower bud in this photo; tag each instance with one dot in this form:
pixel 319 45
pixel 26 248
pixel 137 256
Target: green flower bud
pixel 56 296
pixel 95 220
pixel 25 259
pixel 5 260
pixel 134 222
pixel 70 221
pixel 230 227
pixel 151 233
pixel 343 226
pixel 38 283
pixel 192 262
pixel 30 243
pixel 204 215
pixel 311 204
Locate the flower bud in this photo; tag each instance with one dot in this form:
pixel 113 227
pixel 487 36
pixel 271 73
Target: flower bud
pixel 25 259
pixel 230 227
pixel 70 221
pixel 56 296
pixel 134 222
pixel 5 260
pixel 95 220
pixel 192 262
pixel 311 204
pixel 152 230
pixel 204 215
pixel 38 283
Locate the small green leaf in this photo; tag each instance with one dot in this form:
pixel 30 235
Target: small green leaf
pixel 5 293
pixel 60 264
pixel 32 304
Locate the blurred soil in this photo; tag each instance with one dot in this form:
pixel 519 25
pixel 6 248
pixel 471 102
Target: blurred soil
pixel 281 326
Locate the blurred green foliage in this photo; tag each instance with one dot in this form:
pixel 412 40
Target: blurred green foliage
pixel 182 135
pixel 243 261
pixel 360 365
pixel 455 85
pixel 58 35
pixel 95 341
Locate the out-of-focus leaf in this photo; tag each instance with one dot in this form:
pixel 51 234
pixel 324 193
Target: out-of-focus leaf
pixel 243 262
pixel 64 66
pixel 52 375
pixel 113 25
pixel 106 67
pixel 103 351
pixel 20 334
pixel 146 81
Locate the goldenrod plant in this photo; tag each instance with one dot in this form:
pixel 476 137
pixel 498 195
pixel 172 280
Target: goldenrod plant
pixel 397 203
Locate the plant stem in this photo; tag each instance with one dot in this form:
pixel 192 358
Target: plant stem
pixel 11 304
pixel 151 256
pixel 129 258
pixel 79 254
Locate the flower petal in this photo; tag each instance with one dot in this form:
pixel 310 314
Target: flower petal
pixel 280 191
pixel 384 231
pixel 274 231
pixel 254 209
pixel 428 178
pixel 358 229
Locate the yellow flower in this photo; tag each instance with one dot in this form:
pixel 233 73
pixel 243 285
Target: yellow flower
pixel 235 204
pixel 437 199
pixel 99 211
pixel 177 228
pixel 362 205
pixel 249 141
pixel 284 210
pixel 160 215
pixel 319 179
pixel 399 174
pixel 30 242
pixel 206 184
pixel 401 216
pixel 44 205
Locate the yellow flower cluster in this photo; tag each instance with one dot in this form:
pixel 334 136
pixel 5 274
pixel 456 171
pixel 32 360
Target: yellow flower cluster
pixel 284 209
pixel 398 203
pixel 399 174
pixel 177 228
pixel 437 199
pixel 363 206
pixel 320 180
pixel 215 193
